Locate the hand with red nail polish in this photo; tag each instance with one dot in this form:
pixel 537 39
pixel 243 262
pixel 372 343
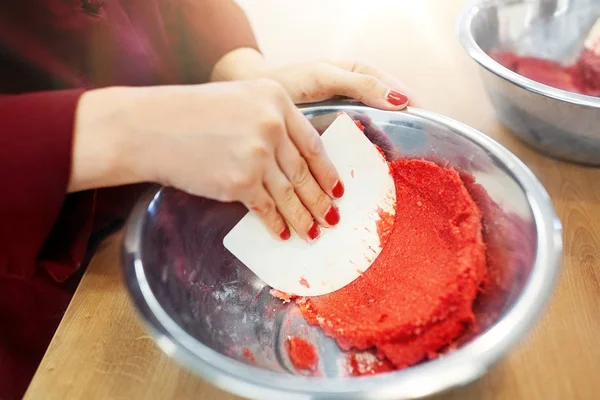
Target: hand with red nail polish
pixel 301 184
pixel 318 81
pixel 269 157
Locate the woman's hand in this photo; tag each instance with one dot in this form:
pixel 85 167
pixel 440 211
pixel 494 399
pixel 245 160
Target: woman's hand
pixel 237 141
pixel 317 81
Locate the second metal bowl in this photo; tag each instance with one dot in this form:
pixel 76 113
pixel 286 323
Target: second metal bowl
pixel 559 123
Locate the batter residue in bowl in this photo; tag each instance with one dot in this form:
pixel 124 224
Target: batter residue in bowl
pixel 302 353
pixel 248 355
pixel 582 77
pixel 418 295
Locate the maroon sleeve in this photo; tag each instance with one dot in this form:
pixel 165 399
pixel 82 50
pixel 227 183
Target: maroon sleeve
pixel 35 160
pixel 203 31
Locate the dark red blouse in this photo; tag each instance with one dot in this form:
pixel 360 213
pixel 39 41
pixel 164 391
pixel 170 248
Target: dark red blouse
pixel 50 52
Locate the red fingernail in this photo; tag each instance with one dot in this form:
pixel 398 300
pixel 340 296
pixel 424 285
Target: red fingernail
pixel 338 190
pixel 333 216
pixel 396 98
pixel 285 233
pixel 314 231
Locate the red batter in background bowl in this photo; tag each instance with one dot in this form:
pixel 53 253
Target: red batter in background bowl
pixel 583 77
pixel 539 62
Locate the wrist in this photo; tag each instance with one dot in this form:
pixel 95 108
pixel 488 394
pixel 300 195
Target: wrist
pixel 239 64
pixel 100 142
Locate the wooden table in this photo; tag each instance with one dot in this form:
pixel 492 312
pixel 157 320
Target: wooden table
pixel 101 351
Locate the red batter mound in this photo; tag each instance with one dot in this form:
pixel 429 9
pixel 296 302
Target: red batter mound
pixel 418 295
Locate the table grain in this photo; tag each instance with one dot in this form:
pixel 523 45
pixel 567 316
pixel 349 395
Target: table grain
pixel 101 351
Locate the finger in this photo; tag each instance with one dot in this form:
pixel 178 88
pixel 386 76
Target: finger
pixel 366 88
pixel 306 187
pixel 264 206
pixel 389 79
pixel 289 205
pixel 308 142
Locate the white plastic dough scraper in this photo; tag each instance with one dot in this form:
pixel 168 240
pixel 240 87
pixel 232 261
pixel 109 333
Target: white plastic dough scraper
pixel 340 254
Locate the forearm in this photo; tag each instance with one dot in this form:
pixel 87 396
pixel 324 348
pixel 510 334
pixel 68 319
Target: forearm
pixel 239 64
pixel 101 141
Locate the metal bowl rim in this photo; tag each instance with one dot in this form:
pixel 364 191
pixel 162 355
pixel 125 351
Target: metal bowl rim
pixel 460 367
pixel 468 42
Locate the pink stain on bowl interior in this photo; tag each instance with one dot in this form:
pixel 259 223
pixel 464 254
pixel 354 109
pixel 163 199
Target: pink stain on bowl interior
pixel 304 282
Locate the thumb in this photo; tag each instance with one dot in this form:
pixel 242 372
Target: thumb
pixel 367 89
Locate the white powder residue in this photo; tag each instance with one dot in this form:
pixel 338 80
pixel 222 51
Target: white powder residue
pixel 227 292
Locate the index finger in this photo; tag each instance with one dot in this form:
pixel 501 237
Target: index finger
pixel 385 77
pixel 308 142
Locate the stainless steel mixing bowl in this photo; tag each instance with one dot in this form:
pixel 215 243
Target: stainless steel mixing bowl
pixel 559 123
pixel 210 313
